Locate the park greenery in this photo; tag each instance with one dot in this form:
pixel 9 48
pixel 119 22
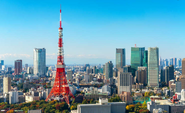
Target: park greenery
pixel 137 108
pixel 46 107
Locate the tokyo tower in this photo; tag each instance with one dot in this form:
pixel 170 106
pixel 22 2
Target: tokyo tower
pixel 60 88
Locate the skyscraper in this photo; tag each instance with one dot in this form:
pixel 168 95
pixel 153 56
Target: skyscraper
pixel 18 67
pixel 120 58
pixel 153 66
pixel 69 76
pixel 175 62
pixel 169 73
pixel 182 77
pixel 141 75
pixel 124 82
pixel 39 61
pixel 171 61
pixel 25 67
pixel 165 62
pixel 145 59
pixel 109 70
pixel 85 67
pixel 179 62
pixel 183 66
pixel 137 55
pixel 2 62
pixel 6 84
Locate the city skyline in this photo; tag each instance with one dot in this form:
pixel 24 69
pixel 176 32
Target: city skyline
pixel 108 26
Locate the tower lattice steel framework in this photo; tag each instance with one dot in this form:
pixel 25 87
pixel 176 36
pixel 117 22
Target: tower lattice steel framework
pixel 60 88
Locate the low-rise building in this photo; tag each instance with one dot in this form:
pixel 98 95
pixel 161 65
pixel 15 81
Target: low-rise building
pixel 102 107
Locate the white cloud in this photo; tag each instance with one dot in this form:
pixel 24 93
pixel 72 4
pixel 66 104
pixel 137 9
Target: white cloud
pixel 8 55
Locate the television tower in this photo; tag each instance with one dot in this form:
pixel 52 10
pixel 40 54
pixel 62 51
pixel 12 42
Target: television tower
pixel 60 88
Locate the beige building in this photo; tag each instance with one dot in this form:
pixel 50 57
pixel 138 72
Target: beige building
pixel 6 84
pixel 31 98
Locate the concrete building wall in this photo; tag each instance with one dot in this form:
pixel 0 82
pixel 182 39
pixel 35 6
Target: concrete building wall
pixel 94 109
pixel 6 84
pixel 118 107
pixel 124 82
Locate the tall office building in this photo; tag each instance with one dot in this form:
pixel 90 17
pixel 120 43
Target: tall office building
pixel 26 67
pixel 153 66
pixel 169 73
pixel 171 61
pixel 2 62
pixel 162 75
pixel 137 55
pixel 175 62
pixel 39 61
pixel 145 59
pixel 6 84
pixel 182 77
pixel 120 58
pixel 124 82
pixel 165 62
pixel 141 75
pixel 85 67
pixel 178 86
pixel 160 63
pixel 109 70
pixel 179 62
pixel 183 66
pixel 13 97
pixel 94 70
pixel 18 67
pixel 69 75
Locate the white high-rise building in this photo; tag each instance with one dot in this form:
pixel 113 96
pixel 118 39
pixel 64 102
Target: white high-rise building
pixel 69 76
pixel 13 97
pixel 183 94
pixel 39 61
pixel 6 84
pixel 153 66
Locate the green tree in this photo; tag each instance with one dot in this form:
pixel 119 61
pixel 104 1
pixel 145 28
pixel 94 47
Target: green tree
pixel 65 111
pixel 25 109
pixel 144 105
pixel 84 101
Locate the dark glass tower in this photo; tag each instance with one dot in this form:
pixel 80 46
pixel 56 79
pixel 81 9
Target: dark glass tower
pixel 145 59
pixel 120 58
pixel 137 55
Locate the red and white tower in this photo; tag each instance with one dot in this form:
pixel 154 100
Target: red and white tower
pixel 60 88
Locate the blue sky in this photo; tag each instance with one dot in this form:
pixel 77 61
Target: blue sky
pixel 93 29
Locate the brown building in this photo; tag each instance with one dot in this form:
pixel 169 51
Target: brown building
pixel 126 97
pixel 18 67
pixel 182 77
pixel 183 66
pixel 141 75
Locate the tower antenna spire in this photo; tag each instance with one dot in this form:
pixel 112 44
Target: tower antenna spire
pixel 60 17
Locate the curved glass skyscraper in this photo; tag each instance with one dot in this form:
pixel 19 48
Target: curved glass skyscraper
pixel 39 61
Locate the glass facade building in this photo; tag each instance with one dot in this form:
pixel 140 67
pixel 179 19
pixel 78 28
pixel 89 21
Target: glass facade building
pixel 145 59
pixel 39 61
pixel 169 73
pixel 153 67
pixel 2 62
pixel 137 55
pixel 109 70
pixel 120 58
